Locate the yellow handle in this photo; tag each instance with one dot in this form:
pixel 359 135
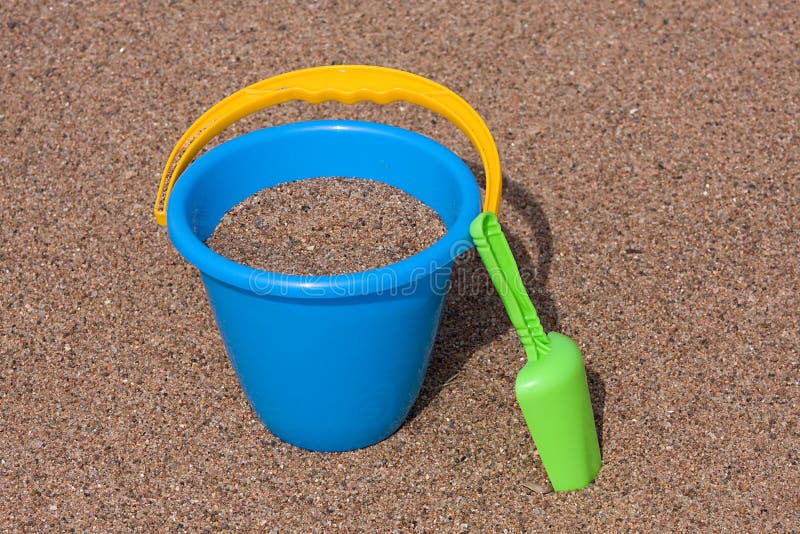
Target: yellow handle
pixel 347 84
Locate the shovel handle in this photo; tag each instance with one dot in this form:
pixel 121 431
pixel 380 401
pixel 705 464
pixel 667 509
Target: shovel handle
pixel 496 254
pixel 347 84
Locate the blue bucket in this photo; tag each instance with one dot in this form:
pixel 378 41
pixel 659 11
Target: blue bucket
pixel 329 363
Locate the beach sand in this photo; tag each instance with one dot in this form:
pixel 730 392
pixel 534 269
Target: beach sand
pixel 650 154
pixel 326 225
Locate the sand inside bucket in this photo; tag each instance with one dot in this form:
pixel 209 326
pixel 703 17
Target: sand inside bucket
pixel 323 226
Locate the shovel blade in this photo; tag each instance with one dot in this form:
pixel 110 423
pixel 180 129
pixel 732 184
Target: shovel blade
pixel 554 397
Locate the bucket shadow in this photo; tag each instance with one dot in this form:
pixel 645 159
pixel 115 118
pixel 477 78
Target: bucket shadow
pixel 473 315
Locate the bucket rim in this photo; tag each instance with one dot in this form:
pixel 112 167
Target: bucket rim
pixel 380 280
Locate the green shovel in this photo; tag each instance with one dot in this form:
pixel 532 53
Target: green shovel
pixel 551 388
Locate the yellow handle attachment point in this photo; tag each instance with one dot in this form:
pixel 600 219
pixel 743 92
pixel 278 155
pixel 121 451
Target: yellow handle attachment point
pixel 347 84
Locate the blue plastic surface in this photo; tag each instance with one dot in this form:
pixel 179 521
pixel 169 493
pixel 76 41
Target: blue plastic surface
pixel 329 363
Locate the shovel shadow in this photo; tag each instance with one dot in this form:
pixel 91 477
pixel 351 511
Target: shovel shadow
pixel 473 315
pixel 597 392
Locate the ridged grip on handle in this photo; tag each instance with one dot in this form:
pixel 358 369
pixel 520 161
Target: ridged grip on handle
pixel 347 84
pixel 502 268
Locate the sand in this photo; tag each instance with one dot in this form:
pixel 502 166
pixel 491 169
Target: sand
pixel 652 195
pixel 323 226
